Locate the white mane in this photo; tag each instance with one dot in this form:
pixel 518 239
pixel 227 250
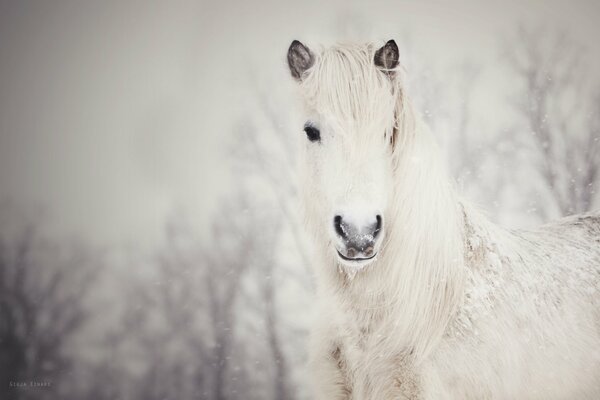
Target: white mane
pixel 443 275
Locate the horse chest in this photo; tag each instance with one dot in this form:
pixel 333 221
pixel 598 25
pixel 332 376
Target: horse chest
pixel 367 357
pixel 359 329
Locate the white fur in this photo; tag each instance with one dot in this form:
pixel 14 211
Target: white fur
pixel 453 307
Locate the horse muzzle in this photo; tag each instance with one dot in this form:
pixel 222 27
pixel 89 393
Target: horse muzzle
pixel 357 245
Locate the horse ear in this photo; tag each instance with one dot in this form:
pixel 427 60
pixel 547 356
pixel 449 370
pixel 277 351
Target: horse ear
pixel 299 59
pixel 387 56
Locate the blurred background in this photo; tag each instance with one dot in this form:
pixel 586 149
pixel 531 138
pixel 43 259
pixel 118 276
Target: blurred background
pixel 150 242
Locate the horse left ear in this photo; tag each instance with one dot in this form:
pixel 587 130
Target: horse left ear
pixel 300 59
pixel 387 56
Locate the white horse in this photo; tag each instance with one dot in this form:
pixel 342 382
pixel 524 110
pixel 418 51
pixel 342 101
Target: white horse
pixel 421 297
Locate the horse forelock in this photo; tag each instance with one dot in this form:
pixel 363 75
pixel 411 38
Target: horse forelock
pixel 350 92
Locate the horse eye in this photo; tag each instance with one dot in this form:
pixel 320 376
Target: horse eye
pixel 312 133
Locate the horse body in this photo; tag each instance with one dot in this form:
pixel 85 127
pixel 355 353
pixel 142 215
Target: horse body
pixel 451 306
pixel 528 327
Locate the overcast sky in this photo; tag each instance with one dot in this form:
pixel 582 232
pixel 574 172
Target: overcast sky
pixel 113 113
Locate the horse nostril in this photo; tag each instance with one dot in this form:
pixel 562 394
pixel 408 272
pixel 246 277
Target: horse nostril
pixel 337 224
pixel 377 226
pixel 351 252
pixel 369 251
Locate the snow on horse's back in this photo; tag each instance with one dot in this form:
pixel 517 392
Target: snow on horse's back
pixel 420 295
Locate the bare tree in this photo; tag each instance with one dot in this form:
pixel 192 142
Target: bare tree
pixel 244 239
pixel 42 306
pixel 466 156
pixel 559 113
pixel 184 320
pixel 167 323
pixel 233 249
pixel 267 151
pixel 196 297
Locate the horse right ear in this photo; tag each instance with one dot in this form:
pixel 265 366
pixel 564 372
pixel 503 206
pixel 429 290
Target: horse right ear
pixel 299 59
pixel 387 57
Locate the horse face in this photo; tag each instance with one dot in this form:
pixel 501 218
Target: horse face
pixel 347 150
pixel 347 180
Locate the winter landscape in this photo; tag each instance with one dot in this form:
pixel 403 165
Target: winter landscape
pixel 151 243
